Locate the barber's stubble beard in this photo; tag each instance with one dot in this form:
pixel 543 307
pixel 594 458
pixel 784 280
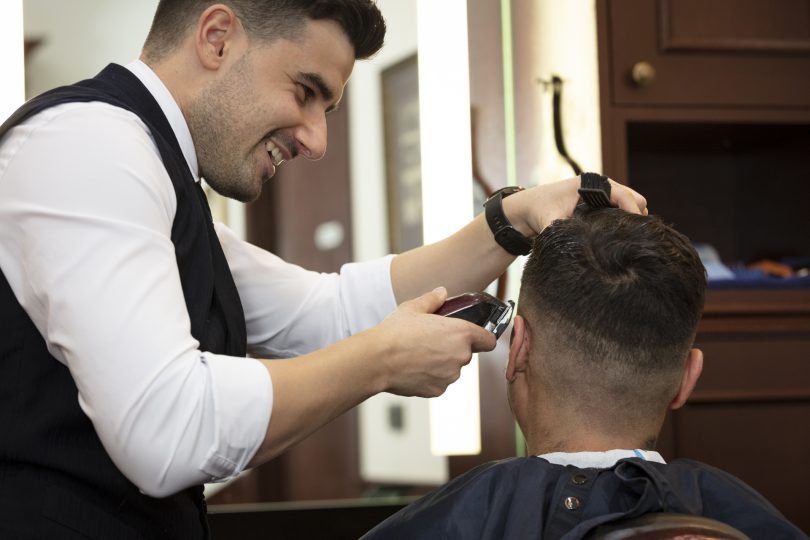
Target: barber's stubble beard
pixel 214 120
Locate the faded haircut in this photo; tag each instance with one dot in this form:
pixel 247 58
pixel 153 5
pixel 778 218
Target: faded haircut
pixel 268 20
pixel 615 299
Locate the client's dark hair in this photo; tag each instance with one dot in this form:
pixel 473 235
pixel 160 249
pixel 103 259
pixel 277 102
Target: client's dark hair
pixel 615 299
pixel 268 20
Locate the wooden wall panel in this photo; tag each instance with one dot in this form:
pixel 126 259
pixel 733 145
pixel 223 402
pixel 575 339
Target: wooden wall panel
pixel 735 25
pixel 699 63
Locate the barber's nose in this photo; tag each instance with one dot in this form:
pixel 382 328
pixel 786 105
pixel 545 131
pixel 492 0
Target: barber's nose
pixel 311 136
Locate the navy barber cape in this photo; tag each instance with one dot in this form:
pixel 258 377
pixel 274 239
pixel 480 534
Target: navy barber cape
pixel 530 498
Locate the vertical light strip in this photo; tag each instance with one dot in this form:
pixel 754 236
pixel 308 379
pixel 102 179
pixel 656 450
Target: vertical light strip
pixel 444 117
pixel 515 270
pixel 12 90
pixel 447 191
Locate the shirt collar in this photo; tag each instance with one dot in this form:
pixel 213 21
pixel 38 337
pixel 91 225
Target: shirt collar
pixel 599 460
pixel 172 111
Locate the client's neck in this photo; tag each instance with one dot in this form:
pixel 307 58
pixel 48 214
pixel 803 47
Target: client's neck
pixel 557 431
pixel 585 442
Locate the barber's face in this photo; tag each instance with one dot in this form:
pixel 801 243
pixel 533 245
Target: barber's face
pixel 268 107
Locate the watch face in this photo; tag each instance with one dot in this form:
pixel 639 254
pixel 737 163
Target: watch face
pixel 509 190
pixel 479 308
pixel 505 235
pixel 504 192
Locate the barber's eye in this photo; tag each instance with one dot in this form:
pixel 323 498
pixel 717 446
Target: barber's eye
pixel 307 93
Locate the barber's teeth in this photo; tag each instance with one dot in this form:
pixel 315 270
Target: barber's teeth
pixel 273 150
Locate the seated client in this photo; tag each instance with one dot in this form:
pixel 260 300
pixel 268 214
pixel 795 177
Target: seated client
pixel 601 349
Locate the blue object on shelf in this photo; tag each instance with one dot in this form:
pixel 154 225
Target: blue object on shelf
pixel 721 276
pixel 746 278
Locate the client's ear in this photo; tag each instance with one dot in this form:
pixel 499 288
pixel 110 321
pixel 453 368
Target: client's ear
pixel 691 374
pixel 518 348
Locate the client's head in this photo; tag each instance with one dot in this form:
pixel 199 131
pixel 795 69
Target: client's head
pixel 601 348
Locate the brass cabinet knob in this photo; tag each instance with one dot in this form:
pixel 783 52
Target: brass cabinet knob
pixel 643 74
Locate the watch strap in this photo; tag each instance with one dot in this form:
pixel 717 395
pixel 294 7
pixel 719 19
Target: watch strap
pixel 509 238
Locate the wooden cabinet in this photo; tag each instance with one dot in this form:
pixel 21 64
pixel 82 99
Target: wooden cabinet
pixel 710 52
pixel 714 128
pixel 750 412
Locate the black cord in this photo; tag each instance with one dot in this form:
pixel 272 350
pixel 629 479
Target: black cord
pixel 558 134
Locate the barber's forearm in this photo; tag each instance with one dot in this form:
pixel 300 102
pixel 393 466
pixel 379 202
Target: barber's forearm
pixel 470 259
pixel 412 352
pixel 466 261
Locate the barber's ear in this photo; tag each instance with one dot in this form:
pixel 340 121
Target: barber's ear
pixel 691 373
pixel 216 30
pixel 518 348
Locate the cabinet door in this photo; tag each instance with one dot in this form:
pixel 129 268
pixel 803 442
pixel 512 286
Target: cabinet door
pixel 750 409
pixel 710 52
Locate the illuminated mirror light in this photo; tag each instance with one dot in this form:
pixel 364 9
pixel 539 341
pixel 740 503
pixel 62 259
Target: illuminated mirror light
pixel 447 191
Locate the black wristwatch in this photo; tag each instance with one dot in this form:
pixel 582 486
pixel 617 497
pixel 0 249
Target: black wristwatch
pixel 507 236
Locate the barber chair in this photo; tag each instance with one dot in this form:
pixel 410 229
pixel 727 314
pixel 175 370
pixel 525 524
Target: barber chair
pixel 663 526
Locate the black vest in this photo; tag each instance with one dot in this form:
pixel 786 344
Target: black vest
pixel 56 480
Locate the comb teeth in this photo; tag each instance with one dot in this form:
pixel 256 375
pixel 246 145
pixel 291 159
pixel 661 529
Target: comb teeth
pixel 595 190
pixel 595 198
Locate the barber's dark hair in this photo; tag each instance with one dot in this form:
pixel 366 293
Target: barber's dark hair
pixel 621 294
pixel 268 20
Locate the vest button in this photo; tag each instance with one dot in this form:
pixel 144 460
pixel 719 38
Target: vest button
pixel 572 503
pixel 579 479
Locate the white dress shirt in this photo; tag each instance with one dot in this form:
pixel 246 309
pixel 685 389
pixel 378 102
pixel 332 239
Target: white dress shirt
pixel 86 211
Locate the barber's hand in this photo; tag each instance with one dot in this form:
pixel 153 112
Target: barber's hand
pixel 532 210
pixel 427 351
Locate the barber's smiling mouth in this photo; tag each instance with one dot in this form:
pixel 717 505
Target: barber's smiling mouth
pixel 280 148
pixel 275 153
